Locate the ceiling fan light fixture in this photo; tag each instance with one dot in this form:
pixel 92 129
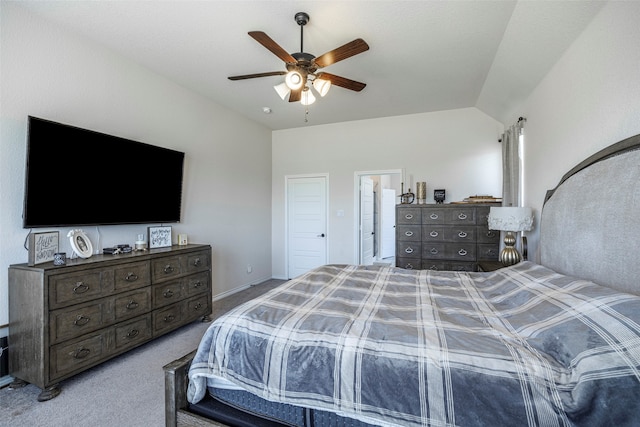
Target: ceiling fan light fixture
pixel 283 90
pixel 322 86
pixel 307 97
pixel 294 80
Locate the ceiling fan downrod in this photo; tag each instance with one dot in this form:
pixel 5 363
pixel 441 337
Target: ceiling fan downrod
pixel 301 19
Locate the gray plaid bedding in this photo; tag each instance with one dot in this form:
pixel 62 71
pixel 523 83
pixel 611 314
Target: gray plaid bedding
pixel 519 346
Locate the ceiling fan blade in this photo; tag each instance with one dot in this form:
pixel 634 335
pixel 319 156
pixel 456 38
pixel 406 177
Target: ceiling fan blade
pixel 253 76
pixel 295 95
pixel 342 81
pixel 274 47
pixel 343 52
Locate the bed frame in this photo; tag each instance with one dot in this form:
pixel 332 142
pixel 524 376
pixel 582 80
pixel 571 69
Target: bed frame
pixel 596 198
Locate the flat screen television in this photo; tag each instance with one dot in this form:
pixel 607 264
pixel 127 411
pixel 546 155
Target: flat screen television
pixel 80 177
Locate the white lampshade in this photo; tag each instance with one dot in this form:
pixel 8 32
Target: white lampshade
pixel 510 218
pixel 307 97
pixel 294 80
pixel 322 86
pixel 283 90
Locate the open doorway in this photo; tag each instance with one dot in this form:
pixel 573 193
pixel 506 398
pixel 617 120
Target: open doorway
pixel 376 195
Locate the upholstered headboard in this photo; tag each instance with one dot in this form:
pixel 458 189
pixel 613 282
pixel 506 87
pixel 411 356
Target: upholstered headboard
pixel 590 225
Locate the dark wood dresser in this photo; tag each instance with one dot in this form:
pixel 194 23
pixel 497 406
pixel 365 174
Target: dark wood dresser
pixel 444 237
pixel 65 319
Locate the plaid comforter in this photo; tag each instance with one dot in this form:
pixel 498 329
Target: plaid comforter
pixel 519 346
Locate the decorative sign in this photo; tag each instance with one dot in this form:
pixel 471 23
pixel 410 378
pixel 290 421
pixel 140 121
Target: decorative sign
pixel 159 237
pixel 42 247
pixel 439 196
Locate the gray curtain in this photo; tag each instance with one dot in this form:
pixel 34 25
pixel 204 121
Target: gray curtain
pixel 511 166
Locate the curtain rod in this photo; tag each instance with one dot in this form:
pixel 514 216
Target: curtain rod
pixel 520 119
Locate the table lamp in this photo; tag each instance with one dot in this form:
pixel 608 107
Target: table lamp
pixel 510 219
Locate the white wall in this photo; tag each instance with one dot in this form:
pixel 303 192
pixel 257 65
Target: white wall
pixel 457 150
pixel 589 100
pixel 51 73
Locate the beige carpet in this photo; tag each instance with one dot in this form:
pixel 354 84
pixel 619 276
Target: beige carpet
pixel 127 391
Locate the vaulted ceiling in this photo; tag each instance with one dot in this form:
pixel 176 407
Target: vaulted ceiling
pixel 424 55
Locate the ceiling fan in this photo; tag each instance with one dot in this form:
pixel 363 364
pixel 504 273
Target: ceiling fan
pixel 302 67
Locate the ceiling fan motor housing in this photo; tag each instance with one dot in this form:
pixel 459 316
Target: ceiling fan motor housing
pixel 301 18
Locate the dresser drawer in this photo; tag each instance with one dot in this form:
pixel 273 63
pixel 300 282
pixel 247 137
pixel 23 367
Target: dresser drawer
pixel 197 284
pixel 68 357
pixel 78 320
pixel 460 216
pixel 442 233
pixel 488 236
pixel 409 233
pixel 408 215
pixel 408 249
pixel 488 252
pixel 132 304
pixel 198 261
pixel 167 293
pixel 73 288
pixel 132 276
pixel 408 263
pixel 166 268
pixel 434 265
pixel 197 307
pixel 433 250
pixel 133 332
pixel 433 216
pixel 461 252
pixel 167 318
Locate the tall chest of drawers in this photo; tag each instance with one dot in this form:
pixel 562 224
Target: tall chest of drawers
pixel 65 319
pixel 444 237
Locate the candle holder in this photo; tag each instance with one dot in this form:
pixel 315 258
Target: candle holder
pixel 421 192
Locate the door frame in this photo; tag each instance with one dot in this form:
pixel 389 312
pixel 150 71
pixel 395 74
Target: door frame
pixel 356 202
pixel 286 214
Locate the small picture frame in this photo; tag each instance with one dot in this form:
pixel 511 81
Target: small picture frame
pixel 80 243
pixel 42 247
pixel 159 237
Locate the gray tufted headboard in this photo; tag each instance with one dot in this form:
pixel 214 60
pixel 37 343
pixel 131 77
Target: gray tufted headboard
pixel 590 225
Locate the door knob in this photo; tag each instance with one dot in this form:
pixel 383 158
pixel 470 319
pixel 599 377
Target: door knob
pixel 321 235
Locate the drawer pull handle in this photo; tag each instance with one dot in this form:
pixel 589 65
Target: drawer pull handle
pixel 133 333
pixel 81 320
pixel 462 252
pixel 168 293
pixel 169 318
pixel 434 251
pixel 168 269
pixel 408 233
pixel 80 288
pixel 197 262
pixel 197 284
pixel 409 266
pixel 433 234
pixel 131 277
pixel 462 216
pixel 198 306
pixel 434 267
pixel 409 216
pixel 462 234
pixel 81 353
pixel 491 253
pixel 433 216
pixel 491 233
pixel 132 305
pixel 408 250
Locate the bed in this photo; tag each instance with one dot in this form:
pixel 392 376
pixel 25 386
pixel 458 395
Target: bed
pixel 549 344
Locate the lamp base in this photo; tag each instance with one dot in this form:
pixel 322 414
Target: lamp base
pixel 509 254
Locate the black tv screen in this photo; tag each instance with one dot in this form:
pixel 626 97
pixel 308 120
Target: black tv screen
pixel 78 177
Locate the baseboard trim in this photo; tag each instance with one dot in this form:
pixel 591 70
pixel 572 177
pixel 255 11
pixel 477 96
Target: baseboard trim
pixel 239 289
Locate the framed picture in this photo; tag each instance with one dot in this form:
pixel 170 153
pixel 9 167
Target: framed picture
pixel 42 247
pixel 80 243
pixel 159 237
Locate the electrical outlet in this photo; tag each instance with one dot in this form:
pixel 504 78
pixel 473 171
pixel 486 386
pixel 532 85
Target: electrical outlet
pixel 249 269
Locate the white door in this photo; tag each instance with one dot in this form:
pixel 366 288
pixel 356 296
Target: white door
pixel 306 224
pixel 366 226
pixel 388 223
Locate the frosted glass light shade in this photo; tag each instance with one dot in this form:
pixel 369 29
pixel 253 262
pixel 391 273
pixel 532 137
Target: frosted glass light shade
pixel 322 86
pixel 283 90
pixel 510 218
pixel 307 97
pixel 294 80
